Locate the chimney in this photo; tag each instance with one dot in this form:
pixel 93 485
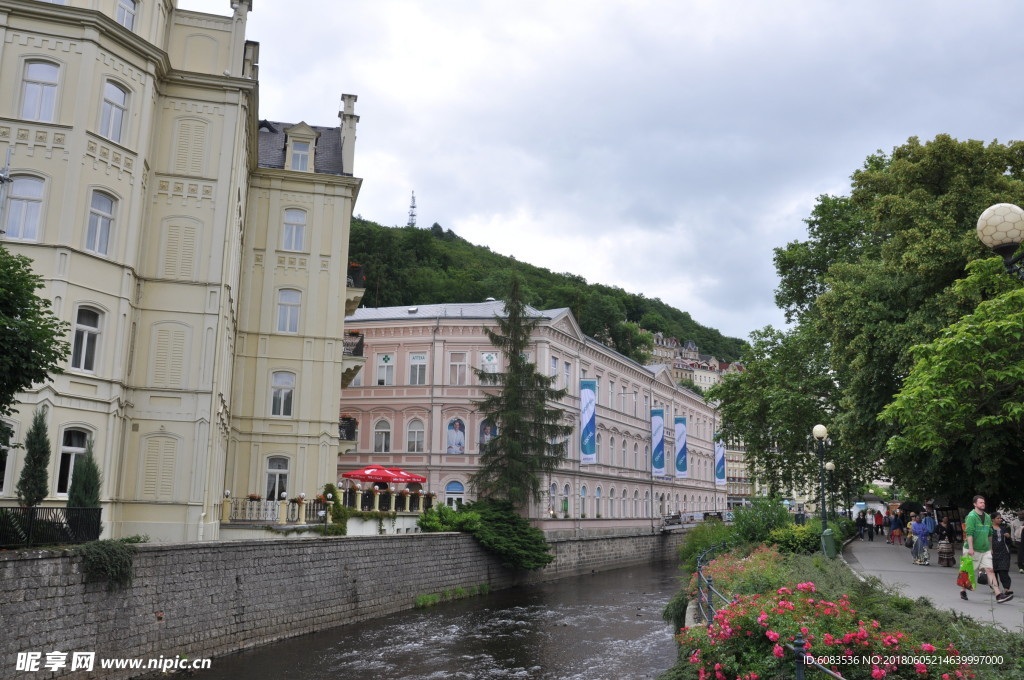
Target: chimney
pixel 348 131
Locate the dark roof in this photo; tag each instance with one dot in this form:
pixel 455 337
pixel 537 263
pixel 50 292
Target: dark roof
pixel 326 157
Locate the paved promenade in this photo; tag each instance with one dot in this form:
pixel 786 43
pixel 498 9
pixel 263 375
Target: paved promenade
pixel 894 566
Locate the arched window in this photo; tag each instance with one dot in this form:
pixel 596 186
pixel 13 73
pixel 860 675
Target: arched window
pixel 415 437
pixel 101 223
pixel 597 449
pixel 624 454
pixel 583 501
pixel 39 91
pixel 552 499
pixel 72 445
pixel 454 494
pixel 288 304
pixel 636 503
pixel 87 338
pixel 24 209
pixel 636 456
pixel 647 503
pixel 565 500
pixel 597 502
pixel 115 111
pixel 625 504
pixel 294 233
pixel 277 477
pixel 282 390
pixel 382 437
pixel 611 450
pixel 611 503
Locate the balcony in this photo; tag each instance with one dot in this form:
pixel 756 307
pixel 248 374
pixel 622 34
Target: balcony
pixel 354 288
pixel 353 358
pixel 257 511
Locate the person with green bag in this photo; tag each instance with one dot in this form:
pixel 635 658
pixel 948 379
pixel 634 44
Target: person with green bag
pixel 978 546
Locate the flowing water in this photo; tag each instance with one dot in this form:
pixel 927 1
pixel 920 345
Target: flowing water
pixel 605 625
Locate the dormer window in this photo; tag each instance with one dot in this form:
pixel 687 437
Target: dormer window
pixel 300 148
pixel 300 156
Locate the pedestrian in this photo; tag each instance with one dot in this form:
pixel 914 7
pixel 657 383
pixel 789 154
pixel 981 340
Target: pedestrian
pixel 946 534
pixel 977 543
pixel 896 528
pixel 886 523
pixel 861 523
pixel 919 550
pixel 929 525
pixel 1001 552
pixel 878 523
pixel 869 525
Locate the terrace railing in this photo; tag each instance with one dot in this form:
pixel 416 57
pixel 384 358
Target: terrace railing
pixel 24 527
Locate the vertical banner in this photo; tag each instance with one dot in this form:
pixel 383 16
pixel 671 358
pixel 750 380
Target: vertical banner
pixel 682 472
pixel 719 463
pixel 658 441
pixel 588 421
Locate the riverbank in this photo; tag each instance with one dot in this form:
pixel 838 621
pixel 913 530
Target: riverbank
pixel 207 599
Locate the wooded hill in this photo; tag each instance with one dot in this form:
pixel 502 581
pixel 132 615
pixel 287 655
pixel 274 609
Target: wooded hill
pixel 415 266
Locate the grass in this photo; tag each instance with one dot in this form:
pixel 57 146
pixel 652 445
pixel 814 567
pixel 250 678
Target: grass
pixel 458 593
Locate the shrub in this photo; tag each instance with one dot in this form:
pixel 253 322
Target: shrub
pixel 84 491
pixel 108 560
pixel 443 518
pixel 512 538
pixel 754 522
pixel 33 485
pixel 796 539
pixel 700 538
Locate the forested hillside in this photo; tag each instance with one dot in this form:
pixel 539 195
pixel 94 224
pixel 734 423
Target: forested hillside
pixel 415 266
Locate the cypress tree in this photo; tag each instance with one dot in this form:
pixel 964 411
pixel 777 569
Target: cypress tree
pixel 85 481
pixel 33 485
pixel 530 441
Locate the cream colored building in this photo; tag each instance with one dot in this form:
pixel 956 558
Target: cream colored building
pixel 199 254
pixel 413 407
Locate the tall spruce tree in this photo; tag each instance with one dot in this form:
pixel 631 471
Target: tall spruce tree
pixel 34 482
pixel 530 438
pixel 84 491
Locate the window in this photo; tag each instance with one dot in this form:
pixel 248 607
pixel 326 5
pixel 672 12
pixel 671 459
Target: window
pixel 277 477
pixel 611 451
pixel 300 156
pixel 611 503
pixel 418 368
pixel 72 445
pixel 87 335
pixel 385 369
pixel 568 372
pixel 115 108
pixel 489 362
pixel 415 438
pixel 565 500
pixel 457 369
pixel 624 453
pixel 281 393
pixel 39 91
pixel 597 502
pixel 382 437
pixel 126 13
pixel 625 505
pixel 583 501
pixel 288 303
pixel 597 449
pixel 611 394
pixel 294 230
pixel 636 504
pixel 552 496
pixel 24 207
pixel 454 494
pixel 101 219
pixel 554 367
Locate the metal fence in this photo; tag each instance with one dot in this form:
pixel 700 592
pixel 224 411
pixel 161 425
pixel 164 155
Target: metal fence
pixel 23 527
pixel 706 594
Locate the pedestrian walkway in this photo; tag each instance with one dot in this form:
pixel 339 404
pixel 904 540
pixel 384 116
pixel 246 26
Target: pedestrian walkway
pixel 893 565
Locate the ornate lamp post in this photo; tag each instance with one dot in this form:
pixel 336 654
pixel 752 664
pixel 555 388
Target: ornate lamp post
pixel 1001 228
pixel 830 468
pixel 820 433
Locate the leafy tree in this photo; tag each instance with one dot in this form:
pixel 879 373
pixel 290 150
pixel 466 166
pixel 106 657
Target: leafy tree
pixel 960 411
pixel 504 532
pixel 530 440
pixel 31 337
pixel 34 483
pixel 84 491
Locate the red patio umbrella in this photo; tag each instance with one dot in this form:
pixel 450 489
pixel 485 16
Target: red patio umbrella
pixel 408 477
pixel 374 473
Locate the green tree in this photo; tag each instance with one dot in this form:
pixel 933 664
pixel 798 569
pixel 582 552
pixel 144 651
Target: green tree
pixel 531 436
pixel 84 491
pixel 31 337
pixel 34 483
pixel 960 412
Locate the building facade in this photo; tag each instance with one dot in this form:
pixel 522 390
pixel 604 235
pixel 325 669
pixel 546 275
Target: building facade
pixel 199 255
pixel 413 406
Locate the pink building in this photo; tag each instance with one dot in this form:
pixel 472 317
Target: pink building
pixel 412 405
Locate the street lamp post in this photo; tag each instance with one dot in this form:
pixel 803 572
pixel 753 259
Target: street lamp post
pixel 830 468
pixel 1001 228
pixel 820 433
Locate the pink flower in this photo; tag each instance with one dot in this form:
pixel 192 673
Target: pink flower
pixel 829 639
pixel 807 587
pixel 877 673
pixel 777 651
pixel 695 657
pixel 921 668
pixel 927 647
pixel 772 635
pixel 784 591
pixel 763 619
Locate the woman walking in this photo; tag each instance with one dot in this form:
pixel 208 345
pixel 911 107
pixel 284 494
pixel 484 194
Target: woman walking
pixel 896 528
pixel 1001 552
pixel 946 534
pixel 920 547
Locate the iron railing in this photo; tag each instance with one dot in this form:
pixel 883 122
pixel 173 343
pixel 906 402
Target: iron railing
pixel 23 527
pixel 348 429
pixel 353 343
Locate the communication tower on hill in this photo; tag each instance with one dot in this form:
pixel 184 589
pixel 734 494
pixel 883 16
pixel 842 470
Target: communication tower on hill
pixel 412 211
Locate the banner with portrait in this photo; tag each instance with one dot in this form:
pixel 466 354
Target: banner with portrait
pixel 658 442
pixel 682 471
pixel 588 421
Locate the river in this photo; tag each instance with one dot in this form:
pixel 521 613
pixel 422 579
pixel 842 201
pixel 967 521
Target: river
pixel 605 625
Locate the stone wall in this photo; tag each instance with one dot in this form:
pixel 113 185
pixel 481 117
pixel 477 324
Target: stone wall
pixel 205 599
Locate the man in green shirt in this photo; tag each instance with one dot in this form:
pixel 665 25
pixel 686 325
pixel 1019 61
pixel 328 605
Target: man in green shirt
pixel 977 530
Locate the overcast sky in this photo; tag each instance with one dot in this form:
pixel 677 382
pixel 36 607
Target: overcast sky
pixel 662 146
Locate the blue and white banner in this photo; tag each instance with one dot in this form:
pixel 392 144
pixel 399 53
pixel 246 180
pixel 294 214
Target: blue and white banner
pixel 682 472
pixel 719 463
pixel 588 421
pixel 658 440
